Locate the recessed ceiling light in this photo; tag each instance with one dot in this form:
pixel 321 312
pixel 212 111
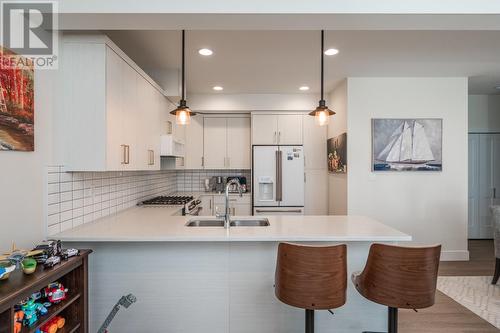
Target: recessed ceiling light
pixel 331 52
pixel 304 88
pixel 218 88
pixel 205 52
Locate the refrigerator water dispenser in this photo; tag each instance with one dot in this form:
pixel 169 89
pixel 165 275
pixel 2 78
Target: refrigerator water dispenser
pixel 266 189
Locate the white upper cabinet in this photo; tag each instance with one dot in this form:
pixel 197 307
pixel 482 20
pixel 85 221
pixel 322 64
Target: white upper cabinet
pixel 290 129
pixel 214 143
pixel 112 109
pixel 274 129
pixel 238 143
pixel 194 144
pixel 226 143
pixel 264 129
pixel 315 137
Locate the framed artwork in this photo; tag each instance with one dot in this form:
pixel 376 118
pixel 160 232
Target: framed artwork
pixel 407 144
pixel 337 154
pixel 17 113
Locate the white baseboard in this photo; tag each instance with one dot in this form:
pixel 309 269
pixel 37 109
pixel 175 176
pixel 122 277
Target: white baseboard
pixel 462 255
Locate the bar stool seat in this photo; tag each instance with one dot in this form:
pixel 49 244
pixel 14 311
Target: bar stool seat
pixel 311 278
pixel 399 277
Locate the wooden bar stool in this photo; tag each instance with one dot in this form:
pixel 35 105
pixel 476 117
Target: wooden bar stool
pixel 311 278
pixel 399 277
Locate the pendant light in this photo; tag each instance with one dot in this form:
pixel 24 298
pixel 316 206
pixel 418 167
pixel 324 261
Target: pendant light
pixel 322 112
pixel 183 113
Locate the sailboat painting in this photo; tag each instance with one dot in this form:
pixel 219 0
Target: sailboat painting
pixel 407 144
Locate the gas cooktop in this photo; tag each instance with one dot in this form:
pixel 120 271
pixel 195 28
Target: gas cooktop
pixel 169 200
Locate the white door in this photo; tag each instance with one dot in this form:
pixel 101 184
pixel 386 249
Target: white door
pixel 194 144
pixel 238 143
pixel 290 129
pixel 264 129
pixel 484 183
pixel 474 186
pixel 291 182
pixel 214 143
pixel 316 192
pixel 264 175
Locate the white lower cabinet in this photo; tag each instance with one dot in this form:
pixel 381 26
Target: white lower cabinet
pixel 238 206
pixel 207 204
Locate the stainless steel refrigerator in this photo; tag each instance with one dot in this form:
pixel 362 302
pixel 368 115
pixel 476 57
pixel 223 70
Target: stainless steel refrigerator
pixel 278 180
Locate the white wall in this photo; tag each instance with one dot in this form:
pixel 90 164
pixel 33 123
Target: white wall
pixel 484 113
pixel 430 206
pixel 337 183
pixel 23 175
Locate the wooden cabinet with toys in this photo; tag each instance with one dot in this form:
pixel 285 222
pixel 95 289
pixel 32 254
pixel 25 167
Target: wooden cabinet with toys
pixel 51 297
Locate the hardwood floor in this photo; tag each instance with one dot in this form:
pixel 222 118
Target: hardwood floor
pixel 447 315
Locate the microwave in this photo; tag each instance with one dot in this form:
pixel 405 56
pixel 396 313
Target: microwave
pixel 171 146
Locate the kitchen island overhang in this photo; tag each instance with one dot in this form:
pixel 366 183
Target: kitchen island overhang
pixel 204 279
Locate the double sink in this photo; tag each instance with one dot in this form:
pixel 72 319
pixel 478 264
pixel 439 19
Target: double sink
pixel 259 222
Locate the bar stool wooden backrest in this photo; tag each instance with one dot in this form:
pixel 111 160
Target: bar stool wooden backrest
pixel 311 277
pixel 400 277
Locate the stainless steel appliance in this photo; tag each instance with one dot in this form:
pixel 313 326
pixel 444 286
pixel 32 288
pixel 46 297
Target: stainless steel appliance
pixel 233 188
pixel 219 184
pixel 189 205
pixel 278 180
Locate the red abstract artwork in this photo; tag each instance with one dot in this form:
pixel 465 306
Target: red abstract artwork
pixel 17 112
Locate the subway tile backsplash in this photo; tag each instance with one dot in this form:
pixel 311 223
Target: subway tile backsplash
pixel 75 198
pixel 194 180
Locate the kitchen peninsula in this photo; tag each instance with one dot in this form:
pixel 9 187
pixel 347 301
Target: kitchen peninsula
pixel 211 279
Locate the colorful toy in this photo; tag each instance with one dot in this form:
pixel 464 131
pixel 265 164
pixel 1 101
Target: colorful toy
pixel 53 325
pixel 18 321
pixel 5 269
pixel 31 311
pixel 29 265
pixel 55 292
pixel 16 255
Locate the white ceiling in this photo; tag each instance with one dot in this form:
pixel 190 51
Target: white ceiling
pixel 281 61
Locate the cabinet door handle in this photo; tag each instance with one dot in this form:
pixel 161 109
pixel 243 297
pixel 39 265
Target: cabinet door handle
pixel 202 161
pixel 275 140
pixel 151 157
pixel 126 154
pixel 494 193
pixel 279 136
pixel 210 204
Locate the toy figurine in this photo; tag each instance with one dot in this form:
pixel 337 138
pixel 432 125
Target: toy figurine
pixel 55 292
pixel 18 321
pixel 31 312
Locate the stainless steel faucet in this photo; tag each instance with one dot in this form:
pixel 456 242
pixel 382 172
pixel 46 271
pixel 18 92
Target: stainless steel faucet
pixel 226 215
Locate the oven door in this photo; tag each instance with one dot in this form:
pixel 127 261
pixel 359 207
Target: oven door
pixel 195 211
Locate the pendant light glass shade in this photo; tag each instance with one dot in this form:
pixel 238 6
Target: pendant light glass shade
pixel 183 113
pixel 322 113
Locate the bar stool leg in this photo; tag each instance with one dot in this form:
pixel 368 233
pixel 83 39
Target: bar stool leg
pixel 309 321
pixel 393 320
pixel 497 271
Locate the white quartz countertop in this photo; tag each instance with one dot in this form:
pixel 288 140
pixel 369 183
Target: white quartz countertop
pixel 156 224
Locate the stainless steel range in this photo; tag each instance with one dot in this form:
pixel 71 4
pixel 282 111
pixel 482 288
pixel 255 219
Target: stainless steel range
pixel 190 205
